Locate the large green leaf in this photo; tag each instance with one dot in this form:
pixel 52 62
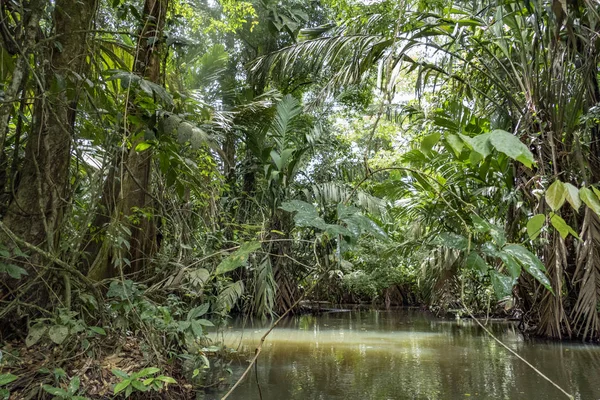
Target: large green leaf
pixel 535 225
pixel 480 143
pixel 484 226
pixel 590 199
pixel 238 258
pixel 455 143
pixel 58 333
pixel 475 262
pixel 510 263
pixel 573 196
pixel 502 284
pixel 510 145
pixel 357 223
pixel 429 141
pixel 561 226
pixel 5 379
pixel 306 214
pixel 530 262
pixel 556 195
pixel 35 334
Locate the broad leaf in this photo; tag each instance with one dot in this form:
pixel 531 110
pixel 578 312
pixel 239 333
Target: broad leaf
pixel 198 311
pixel 58 333
pixel 562 227
pixel 238 258
pixel 14 271
pixel 590 199
pixel 455 143
pixel 556 195
pixel 55 391
pixel 74 384
pixel 146 371
pixel 535 225
pixel 475 262
pixel 119 387
pixel 573 196
pixel 530 262
pixel 306 214
pixel 480 143
pixel 5 379
pixel 502 284
pixel 510 145
pixel 510 263
pixel 35 334
pixel 429 141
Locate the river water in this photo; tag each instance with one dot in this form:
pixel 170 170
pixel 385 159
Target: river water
pixel 406 354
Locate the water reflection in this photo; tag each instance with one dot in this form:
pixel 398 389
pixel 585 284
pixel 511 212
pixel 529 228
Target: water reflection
pixel 407 354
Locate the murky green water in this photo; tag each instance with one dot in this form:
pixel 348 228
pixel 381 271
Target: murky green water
pixel 407 354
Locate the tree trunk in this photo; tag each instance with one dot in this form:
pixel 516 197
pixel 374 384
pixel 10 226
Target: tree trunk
pixel 133 206
pixel 35 213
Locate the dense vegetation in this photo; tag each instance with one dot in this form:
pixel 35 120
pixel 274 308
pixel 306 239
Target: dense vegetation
pixel 166 164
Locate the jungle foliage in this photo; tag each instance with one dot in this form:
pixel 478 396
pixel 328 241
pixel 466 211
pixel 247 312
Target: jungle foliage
pixel 166 164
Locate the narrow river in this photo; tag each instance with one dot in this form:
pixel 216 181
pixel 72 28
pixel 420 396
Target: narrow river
pixel 407 354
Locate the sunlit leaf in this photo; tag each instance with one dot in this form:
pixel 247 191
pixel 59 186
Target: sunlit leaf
pixel 556 195
pixel 510 145
pixel 535 225
pixel 530 263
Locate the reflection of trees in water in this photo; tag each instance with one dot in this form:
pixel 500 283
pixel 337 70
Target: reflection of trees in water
pixel 407 355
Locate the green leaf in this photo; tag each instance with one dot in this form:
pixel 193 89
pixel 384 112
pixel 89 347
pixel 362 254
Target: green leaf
pixel 58 333
pixel 98 330
pixel 197 329
pixel 306 214
pixel 35 334
pixel 429 141
pixel 198 311
pixel 146 371
pixel 502 284
pixel 480 143
pixel 456 144
pixel 556 195
pixel 276 159
pixel 119 387
pixel 561 226
pixel 475 262
pixel 143 146
pixel 74 385
pixel 507 143
pixel 55 391
pixel 14 271
pixel 238 258
pixel 357 223
pixel 590 199
pixel 205 322
pixel 166 379
pixel 535 225
pixel 5 379
pixel 573 196
pixel 119 373
pixel 510 263
pixel 148 382
pixel 530 262
pixel 142 387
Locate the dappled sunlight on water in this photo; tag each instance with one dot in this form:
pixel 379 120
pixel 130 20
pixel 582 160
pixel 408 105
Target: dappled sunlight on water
pixel 407 354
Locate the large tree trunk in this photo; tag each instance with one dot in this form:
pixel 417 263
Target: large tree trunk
pixel 35 214
pixel 131 202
